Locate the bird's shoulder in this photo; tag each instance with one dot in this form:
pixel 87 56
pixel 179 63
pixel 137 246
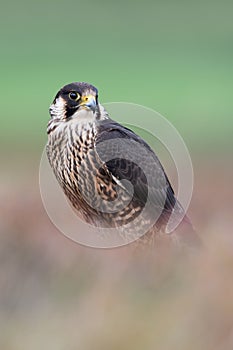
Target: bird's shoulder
pixel 127 156
pixel 110 129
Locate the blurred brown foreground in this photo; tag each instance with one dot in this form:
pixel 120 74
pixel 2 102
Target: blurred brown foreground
pixel 56 294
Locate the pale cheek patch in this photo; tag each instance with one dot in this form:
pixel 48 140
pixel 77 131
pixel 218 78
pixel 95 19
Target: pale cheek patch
pixel 57 109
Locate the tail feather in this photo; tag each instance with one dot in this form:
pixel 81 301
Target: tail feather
pixel 181 226
pixel 186 234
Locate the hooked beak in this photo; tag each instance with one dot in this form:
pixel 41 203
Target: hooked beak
pixel 88 102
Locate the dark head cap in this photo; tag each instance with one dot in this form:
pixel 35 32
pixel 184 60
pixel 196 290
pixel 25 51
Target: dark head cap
pixel 74 96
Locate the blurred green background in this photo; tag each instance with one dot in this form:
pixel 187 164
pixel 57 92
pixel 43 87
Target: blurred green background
pixel 173 56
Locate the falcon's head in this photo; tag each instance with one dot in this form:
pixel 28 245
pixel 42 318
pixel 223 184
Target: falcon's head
pixel 75 100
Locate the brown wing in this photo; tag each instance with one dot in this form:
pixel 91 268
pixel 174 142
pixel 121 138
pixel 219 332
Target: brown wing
pixel 127 157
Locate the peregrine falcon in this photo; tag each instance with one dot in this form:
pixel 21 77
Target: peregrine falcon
pixel 108 173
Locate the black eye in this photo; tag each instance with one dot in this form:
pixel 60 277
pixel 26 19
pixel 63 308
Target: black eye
pixel 73 95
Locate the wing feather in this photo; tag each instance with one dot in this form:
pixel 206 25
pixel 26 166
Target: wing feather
pixel 138 173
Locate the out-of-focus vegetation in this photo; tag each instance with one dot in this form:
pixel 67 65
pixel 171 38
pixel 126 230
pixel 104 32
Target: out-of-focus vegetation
pixel 175 57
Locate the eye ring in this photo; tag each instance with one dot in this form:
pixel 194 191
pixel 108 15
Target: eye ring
pixel 74 96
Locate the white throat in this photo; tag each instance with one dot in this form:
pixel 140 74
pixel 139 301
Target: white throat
pixel 88 116
pixel 84 115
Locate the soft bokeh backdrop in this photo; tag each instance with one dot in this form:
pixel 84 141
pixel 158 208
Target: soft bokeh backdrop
pixel 173 56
